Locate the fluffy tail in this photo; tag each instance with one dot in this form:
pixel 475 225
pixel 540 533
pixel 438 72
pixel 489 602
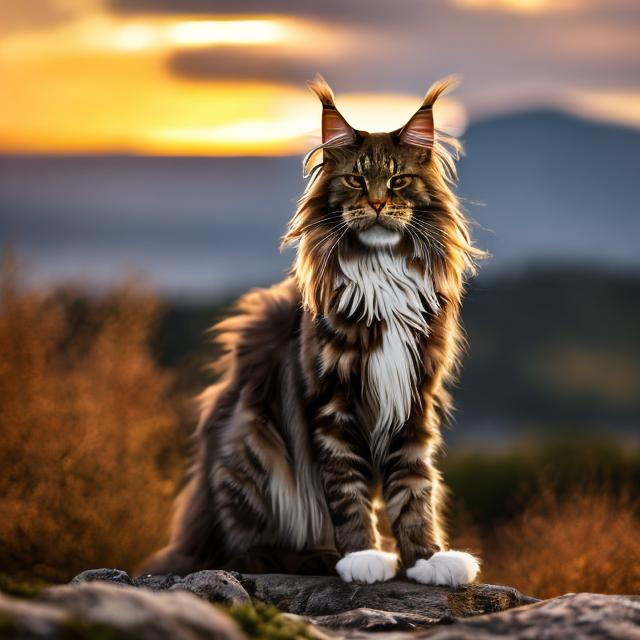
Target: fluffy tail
pixel 196 539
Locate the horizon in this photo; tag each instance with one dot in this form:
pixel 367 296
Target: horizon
pixel 100 218
pixel 524 111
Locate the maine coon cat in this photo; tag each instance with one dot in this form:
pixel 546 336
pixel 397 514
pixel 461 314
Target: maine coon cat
pixel 333 384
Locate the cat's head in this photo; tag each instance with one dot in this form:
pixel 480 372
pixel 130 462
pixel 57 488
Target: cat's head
pixel 385 192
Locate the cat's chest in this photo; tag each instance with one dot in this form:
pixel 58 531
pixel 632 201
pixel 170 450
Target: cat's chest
pixel 381 288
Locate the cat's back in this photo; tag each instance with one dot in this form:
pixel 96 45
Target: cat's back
pixel 256 341
pixel 256 336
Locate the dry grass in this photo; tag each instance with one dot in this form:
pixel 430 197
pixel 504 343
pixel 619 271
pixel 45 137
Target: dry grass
pixel 587 541
pixel 88 452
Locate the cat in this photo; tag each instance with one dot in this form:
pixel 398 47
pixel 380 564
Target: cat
pixel 333 382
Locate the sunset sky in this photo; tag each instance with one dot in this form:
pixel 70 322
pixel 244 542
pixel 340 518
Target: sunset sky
pixel 206 77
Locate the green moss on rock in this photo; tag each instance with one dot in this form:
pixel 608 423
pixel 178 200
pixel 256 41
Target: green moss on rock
pixel 78 629
pixel 265 621
pixel 21 588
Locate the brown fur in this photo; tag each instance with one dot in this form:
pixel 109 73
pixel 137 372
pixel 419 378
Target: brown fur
pixel 286 455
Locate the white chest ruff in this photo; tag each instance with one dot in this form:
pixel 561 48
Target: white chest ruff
pixel 389 290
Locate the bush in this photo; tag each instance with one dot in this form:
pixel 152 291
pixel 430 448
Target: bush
pixel 584 541
pixel 88 453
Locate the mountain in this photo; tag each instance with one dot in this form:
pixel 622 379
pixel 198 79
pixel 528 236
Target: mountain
pixel 556 189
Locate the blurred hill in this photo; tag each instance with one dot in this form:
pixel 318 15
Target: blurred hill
pixel 557 190
pixel 553 352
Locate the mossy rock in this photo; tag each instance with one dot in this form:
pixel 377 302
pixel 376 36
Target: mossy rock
pixel 265 621
pixel 21 588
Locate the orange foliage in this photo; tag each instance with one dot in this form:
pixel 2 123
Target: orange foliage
pixel 88 453
pixel 588 541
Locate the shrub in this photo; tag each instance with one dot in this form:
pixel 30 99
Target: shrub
pixel 88 453
pixel 584 541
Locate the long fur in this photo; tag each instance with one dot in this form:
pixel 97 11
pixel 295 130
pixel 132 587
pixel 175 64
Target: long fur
pixel 333 382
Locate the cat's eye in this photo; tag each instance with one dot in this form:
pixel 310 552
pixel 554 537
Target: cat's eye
pixel 353 181
pixel 400 182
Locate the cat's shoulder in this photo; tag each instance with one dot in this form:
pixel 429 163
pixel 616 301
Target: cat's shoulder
pixel 264 317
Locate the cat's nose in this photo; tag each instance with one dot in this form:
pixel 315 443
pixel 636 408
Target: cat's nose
pixel 377 205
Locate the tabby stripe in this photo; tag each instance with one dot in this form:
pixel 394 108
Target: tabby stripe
pixel 253 460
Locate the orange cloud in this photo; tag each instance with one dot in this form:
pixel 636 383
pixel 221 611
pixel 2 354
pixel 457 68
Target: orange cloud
pixel 622 107
pixel 521 6
pixel 97 82
pixel 100 84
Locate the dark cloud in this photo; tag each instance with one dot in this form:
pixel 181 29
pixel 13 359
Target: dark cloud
pixel 404 45
pixel 348 11
pixel 241 64
pixel 490 49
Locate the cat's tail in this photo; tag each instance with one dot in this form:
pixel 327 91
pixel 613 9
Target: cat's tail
pixel 197 541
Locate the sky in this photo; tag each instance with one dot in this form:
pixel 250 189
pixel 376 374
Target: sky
pixel 209 77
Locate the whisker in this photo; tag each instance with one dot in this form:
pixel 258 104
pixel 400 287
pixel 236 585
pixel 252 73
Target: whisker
pixel 323 239
pixel 429 240
pixel 335 244
pixel 327 237
pixel 330 216
pixel 415 241
pixel 458 242
pixel 316 223
pixel 428 229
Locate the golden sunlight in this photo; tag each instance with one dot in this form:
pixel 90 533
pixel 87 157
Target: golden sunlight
pixel 163 33
pixel 218 32
pixel 380 112
pixel 620 107
pixel 101 32
pixel 100 84
pixel 520 6
pixel 292 123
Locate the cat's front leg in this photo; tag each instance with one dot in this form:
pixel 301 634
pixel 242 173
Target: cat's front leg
pixel 411 489
pixel 346 476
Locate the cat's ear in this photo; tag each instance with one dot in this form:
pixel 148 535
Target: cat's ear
pixel 420 130
pixel 335 129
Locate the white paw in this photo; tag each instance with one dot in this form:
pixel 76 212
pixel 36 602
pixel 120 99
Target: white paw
pixel 367 566
pixel 446 568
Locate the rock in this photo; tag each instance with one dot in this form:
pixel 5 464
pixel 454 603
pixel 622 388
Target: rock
pixel 109 604
pixel 582 616
pixel 420 605
pixel 113 611
pixel 107 575
pixel 373 620
pixel 327 602
pixel 215 586
pixel 157 583
pixel 397 604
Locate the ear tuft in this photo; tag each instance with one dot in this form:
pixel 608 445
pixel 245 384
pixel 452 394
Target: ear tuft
pixel 335 129
pixel 441 87
pixel 420 130
pixel 321 88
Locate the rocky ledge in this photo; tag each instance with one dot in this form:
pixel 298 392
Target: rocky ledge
pixel 109 604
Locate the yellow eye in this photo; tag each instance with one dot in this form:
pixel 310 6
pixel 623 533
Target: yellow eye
pixel 353 181
pixel 400 182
